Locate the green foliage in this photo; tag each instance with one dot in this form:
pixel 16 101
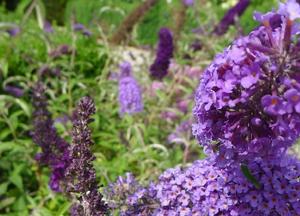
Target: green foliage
pixel 157 17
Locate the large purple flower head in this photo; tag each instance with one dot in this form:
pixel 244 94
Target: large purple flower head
pixel 130 94
pixel 55 153
pixel 164 53
pixel 205 189
pixel 249 96
pixel 80 174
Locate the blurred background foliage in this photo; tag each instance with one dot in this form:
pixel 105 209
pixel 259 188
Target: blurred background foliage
pixel 135 143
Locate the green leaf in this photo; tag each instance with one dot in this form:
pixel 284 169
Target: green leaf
pixel 64 208
pixel 15 177
pixel 24 106
pixel 3 188
pixel 247 173
pixel 6 202
pixel 4 68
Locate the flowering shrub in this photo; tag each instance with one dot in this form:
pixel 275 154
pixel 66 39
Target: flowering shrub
pixel 247 116
pixel 246 112
pixel 248 96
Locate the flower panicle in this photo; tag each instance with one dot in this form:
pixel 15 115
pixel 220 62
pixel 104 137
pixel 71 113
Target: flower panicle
pixel 55 153
pixel 164 53
pixel 81 175
pixel 130 93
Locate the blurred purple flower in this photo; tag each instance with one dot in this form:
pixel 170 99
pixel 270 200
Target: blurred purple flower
pixel 130 94
pixel 55 153
pixel 188 2
pixel 78 27
pixel 164 53
pixel 13 31
pixel 48 27
pixel 14 90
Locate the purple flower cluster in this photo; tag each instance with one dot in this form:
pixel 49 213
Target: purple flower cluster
pixel 55 153
pixel 129 197
pixel 204 189
pixel 80 174
pixel 164 53
pixel 130 94
pixel 247 101
pixel 247 112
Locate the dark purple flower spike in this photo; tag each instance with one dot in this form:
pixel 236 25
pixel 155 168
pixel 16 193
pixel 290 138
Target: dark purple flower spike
pixel 55 153
pixel 81 175
pixel 164 53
